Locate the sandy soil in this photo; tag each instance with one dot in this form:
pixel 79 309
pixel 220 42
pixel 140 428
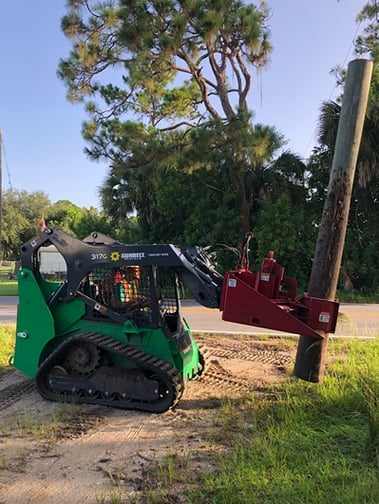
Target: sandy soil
pixel 90 454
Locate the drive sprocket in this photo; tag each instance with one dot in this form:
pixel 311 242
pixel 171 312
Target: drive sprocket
pixel 83 358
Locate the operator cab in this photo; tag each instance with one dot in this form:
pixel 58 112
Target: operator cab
pixel 147 295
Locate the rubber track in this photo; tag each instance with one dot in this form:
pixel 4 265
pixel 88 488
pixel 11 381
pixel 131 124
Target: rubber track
pixel 163 369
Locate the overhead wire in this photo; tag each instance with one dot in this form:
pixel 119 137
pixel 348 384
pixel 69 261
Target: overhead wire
pixel 6 163
pixel 335 85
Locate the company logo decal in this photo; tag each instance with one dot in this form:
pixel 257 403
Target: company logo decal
pixel 115 256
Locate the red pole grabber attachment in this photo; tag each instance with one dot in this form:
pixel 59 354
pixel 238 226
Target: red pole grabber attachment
pixel 267 299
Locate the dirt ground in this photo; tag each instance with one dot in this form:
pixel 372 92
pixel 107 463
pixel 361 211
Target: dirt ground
pixel 102 455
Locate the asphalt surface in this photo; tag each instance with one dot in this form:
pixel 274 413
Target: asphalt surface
pixel 354 320
pixel 8 308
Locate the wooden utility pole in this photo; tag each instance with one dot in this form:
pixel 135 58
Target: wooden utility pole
pixel 311 353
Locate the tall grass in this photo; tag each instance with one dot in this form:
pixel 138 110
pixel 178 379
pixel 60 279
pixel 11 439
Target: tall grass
pixel 7 337
pixel 8 288
pixel 316 443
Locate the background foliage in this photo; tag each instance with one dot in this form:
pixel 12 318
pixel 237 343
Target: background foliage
pixel 166 86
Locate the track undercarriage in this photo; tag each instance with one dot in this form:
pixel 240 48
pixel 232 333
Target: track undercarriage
pixel 79 371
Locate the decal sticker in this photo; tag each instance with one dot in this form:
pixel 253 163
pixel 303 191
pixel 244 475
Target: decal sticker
pixel 324 317
pixel 99 256
pixel 132 256
pixel 115 256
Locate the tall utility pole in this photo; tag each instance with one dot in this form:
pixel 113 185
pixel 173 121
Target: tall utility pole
pixel 311 354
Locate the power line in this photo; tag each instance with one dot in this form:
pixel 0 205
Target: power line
pixel 6 163
pixel 347 55
pixel 335 84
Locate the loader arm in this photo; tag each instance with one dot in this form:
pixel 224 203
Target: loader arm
pixel 192 265
pixel 265 298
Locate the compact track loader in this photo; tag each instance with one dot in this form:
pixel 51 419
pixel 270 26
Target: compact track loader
pixel 109 331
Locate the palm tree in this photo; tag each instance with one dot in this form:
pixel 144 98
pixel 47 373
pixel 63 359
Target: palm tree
pixel 368 158
pixel 365 44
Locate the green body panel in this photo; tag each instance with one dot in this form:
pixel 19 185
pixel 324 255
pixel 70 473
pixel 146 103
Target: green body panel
pixel 40 330
pixel 35 324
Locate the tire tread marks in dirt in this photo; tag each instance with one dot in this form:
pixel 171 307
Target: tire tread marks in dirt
pixel 218 377
pixel 13 393
pixel 246 352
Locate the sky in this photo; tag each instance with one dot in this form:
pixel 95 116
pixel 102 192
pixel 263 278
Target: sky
pixel 43 149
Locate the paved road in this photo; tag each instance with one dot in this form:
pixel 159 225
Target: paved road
pixel 355 320
pixel 8 308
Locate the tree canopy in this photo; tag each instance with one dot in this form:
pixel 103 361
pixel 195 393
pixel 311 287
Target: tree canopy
pixel 166 85
pixel 362 238
pixel 161 79
pixel 23 212
pixel 21 215
pixel 170 63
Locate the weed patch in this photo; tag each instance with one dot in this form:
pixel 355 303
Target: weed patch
pixel 315 443
pixel 298 443
pixel 66 422
pixel 8 287
pixel 7 336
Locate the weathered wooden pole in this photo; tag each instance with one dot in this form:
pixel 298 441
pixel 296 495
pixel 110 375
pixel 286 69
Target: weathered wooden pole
pixel 311 353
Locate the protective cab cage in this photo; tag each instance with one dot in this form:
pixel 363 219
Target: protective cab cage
pixel 142 294
pixel 118 282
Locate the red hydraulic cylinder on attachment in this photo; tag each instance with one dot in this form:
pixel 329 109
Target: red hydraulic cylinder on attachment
pixel 268 299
